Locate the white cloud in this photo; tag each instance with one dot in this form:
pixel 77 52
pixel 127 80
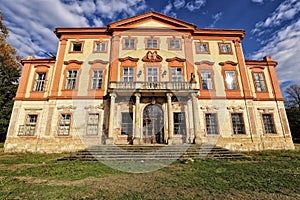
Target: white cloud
pixel 179 4
pixel 216 18
pixel 112 8
pixel 167 8
pixel 195 5
pixel 284 47
pixel 285 11
pixel 31 23
pixel 258 1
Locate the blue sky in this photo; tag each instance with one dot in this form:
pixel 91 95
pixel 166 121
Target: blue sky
pixel 272 26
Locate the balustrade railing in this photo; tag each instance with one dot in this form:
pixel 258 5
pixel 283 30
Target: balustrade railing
pixel 154 85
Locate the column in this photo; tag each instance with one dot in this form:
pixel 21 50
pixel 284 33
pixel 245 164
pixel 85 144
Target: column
pixel 188 49
pixel 242 68
pixel 115 48
pixel 110 138
pixel 170 118
pixel 58 67
pixel 137 121
pixel 196 119
pixel 190 135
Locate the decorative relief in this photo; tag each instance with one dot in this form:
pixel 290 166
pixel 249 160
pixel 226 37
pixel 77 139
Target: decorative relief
pixel 128 58
pixel 98 61
pixel 73 61
pixel 70 107
pixel 152 57
pixel 175 59
pixel 265 110
pixel 205 62
pixel 33 109
pixel 228 63
pixel 235 108
pixel 209 108
pixel 90 107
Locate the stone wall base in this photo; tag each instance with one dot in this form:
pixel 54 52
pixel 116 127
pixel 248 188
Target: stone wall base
pixel 41 145
pixel 256 144
pixel 60 145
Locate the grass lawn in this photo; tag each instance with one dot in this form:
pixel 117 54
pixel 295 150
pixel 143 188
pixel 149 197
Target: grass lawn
pixel 268 175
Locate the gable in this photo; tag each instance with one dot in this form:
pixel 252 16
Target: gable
pixel 151 20
pixel 153 23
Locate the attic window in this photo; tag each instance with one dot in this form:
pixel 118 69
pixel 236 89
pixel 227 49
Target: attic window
pixel 174 44
pixel 77 46
pixel 129 44
pixel 152 44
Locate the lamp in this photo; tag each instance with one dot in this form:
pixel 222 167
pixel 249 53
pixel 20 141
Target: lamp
pixel 164 73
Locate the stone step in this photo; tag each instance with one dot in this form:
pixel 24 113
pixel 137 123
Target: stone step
pixel 161 152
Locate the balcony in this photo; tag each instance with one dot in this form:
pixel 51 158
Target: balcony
pixel 157 87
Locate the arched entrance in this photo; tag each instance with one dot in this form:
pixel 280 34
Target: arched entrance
pixel 153 124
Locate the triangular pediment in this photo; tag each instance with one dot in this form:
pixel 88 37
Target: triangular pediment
pixel 151 20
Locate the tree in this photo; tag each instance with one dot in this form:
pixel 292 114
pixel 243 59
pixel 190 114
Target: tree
pixel 293 109
pixel 9 75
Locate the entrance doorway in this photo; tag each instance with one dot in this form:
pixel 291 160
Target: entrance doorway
pixel 153 124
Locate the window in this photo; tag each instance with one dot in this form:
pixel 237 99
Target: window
pixel 268 123
pixel 152 44
pixel 238 123
pixel 128 74
pixel 176 73
pixel 92 124
pixel 152 74
pixel 71 80
pixel 174 44
pixel 225 48
pixel 100 47
pixel 129 44
pixel 206 80
pixel 211 124
pixel 259 82
pixel 230 79
pixel 30 125
pixel 97 79
pixel 179 123
pixel 39 82
pixel 64 124
pixel 127 124
pixel 77 46
pixel 202 47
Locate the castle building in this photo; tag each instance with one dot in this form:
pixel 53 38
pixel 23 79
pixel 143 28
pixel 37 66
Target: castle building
pixel 148 80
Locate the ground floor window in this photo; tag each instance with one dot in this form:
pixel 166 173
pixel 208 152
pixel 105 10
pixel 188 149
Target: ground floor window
pixel 92 124
pixel 238 123
pixel 179 123
pixel 30 125
pixel 64 124
pixel 268 123
pixel 127 124
pixel 211 124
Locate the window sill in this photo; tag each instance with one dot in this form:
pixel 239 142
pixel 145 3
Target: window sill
pixel 202 52
pixel 27 136
pixel 76 52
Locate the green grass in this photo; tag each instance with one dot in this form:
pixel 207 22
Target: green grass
pixel 268 175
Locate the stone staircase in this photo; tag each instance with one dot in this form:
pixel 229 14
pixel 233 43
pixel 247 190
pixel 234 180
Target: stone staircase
pixel 154 152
